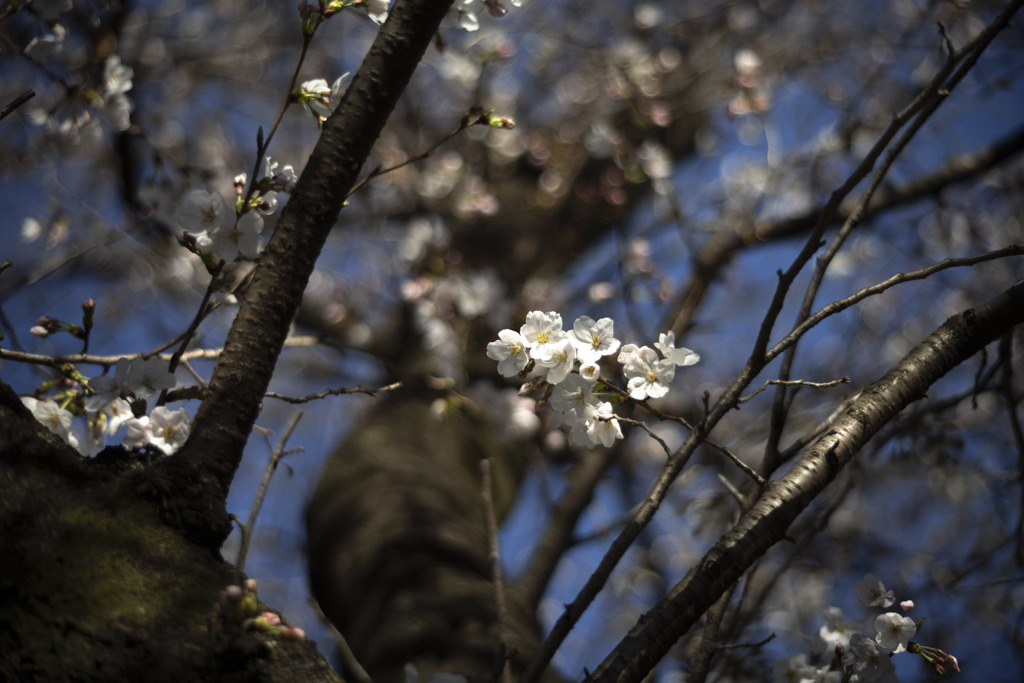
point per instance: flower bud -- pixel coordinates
(292, 633)
(88, 314)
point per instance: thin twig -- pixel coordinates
(643, 425)
(333, 392)
(348, 658)
(842, 304)
(264, 143)
(201, 313)
(469, 120)
(747, 469)
(109, 361)
(275, 457)
(494, 558)
(795, 383)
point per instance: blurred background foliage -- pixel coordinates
(667, 159)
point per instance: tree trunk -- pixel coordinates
(95, 587)
(399, 546)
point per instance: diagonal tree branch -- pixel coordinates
(207, 463)
(766, 522)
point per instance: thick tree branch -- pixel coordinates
(766, 522)
(224, 420)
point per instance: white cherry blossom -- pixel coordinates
(149, 377)
(561, 361)
(241, 239)
(377, 10)
(647, 376)
(667, 345)
(168, 429)
(510, 352)
(52, 416)
(541, 333)
(894, 631)
(204, 212)
(871, 592)
(164, 429)
(593, 339)
(590, 371)
(571, 398)
(602, 427)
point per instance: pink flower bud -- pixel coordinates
(271, 618)
(907, 605)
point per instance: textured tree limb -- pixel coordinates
(222, 425)
(959, 338)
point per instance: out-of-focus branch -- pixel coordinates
(722, 246)
(109, 361)
(21, 99)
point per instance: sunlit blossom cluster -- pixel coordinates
(852, 654)
(569, 363)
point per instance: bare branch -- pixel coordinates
(794, 383)
(898, 278)
(333, 392)
(767, 521)
(275, 458)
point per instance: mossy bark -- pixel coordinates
(95, 587)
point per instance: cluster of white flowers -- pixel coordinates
(110, 407)
(132, 379)
(223, 233)
(137, 380)
(163, 429)
(217, 229)
(570, 364)
(109, 99)
(863, 659)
